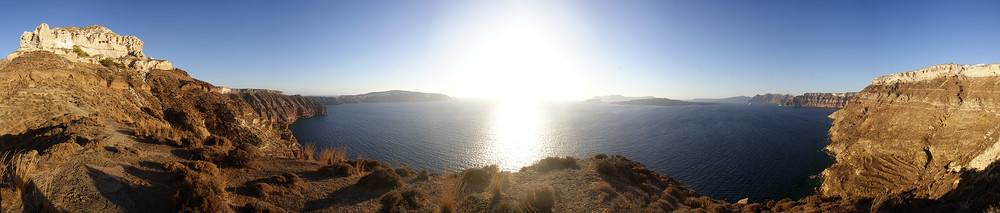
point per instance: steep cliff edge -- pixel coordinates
(383, 96)
(930, 133)
(276, 107)
(827, 100)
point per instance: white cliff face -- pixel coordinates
(941, 70)
(97, 41)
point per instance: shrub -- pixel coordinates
(449, 192)
(80, 52)
(381, 178)
(111, 63)
(219, 142)
(661, 206)
(422, 175)
(288, 180)
(339, 169)
(244, 156)
(396, 201)
(497, 184)
(404, 172)
(553, 163)
(601, 156)
(213, 154)
(262, 189)
(200, 187)
(477, 179)
(605, 189)
(542, 199)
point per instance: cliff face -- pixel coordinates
(90, 44)
(927, 133)
(770, 98)
(830, 100)
(276, 107)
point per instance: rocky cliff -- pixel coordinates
(276, 107)
(828, 100)
(770, 98)
(930, 133)
(90, 44)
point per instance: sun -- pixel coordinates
(519, 61)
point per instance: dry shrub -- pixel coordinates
(600, 156)
(338, 169)
(364, 164)
(288, 180)
(3, 164)
(90, 143)
(200, 187)
(755, 207)
(404, 171)
(261, 207)
(308, 151)
(422, 175)
(244, 156)
(553, 163)
(21, 167)
(62, 151)
(262, 189)
(477, 179)
(213, 154)
(542, 199)
(662, 206)
(127, 151)
(449, 194)
(605, 189)
(407, 200)
(218, 141)
(381, 178)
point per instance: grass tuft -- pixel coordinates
(381, 178)
(405, 201)
(200, 187)
(308, 151)
(542, 199)
(338, 169)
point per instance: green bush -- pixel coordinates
(108, 62)
(80, 52)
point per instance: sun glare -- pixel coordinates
(517, 135)
(517, 60)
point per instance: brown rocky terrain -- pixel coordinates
(924, 134)
(825, 100)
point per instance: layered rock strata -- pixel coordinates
(384, 96)
(931, 133)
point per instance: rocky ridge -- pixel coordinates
(383, 96)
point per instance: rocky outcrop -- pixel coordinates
(89, 44)
(659, 102)
(825, 100)
(384, 96)
(930, 133)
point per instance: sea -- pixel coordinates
(726, 151)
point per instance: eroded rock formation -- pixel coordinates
(384, 96)
(924, 134)
(89, 44)
(770, 98)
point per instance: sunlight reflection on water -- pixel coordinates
(516, 135)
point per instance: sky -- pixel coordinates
(551, 49)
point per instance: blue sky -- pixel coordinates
(674, 49)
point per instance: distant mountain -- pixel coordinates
(614, 98)
(736, 99)
(659, 102)
(384, 96)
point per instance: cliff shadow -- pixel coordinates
(978, 191)
(34, 139)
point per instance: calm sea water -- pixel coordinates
(726, 151)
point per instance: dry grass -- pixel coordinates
(606, 190)
(21, 166)
(262, 190)
(405, 201)
(339, 169)
(328, 156)
(3, 164)
(449, 195)
(308, 151)
(477, 179)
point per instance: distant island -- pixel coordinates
(659, 102)
(384, 96)
(823, 100)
